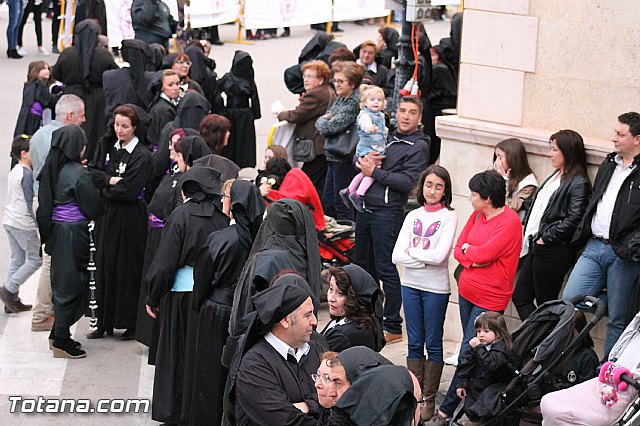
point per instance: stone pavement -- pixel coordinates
(115, 369)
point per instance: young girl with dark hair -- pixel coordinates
(488, 366)
(423, 249)
(35, 99)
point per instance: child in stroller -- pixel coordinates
(586, 403)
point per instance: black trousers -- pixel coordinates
(37, 19)
(541, 276)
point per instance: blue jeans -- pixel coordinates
(468, 314)
(25, 256)
(376, 234)
(601, 272)
(424, 312)
(339, 175)
(15, 16)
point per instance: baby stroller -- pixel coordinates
(339, 248)
(583, 404)
(543, 342)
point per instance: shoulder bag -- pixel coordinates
(304, 150)
(344, 144)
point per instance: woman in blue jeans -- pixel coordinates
(15, 16)
(423, 249)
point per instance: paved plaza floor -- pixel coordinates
(115, 369)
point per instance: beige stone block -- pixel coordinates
(518, 7)
(491, 94)
(499, 40)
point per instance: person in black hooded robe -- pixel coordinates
(266, 382)
(361, 323)
(165, 199)
(171, 275)
(288, 226)
(388, 45)
(242, 108)
(129, 85)
(164, 107)
(122, 231)
(203, 72)
(380, 396)
(80, 69)
(94, 10)
(216, 273)
(193, 107)
(68, 200)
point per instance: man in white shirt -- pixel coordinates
(611, 229)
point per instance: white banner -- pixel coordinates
(206, 13)
(119, 21)
(351, 10)
(285, 13)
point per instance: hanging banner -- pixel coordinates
(119, 25)
(285, 13)
(351, 10)
(206, 13)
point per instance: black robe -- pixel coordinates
(69, 244)
(164, 200)
(268, 385)
(184, 233)
(68, 70)
(33, 91)
(162, 112)
(121, 237)
(345, 336)
(242, 109)
(202, 71)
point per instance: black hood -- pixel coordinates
(86, 37)
(139, 55)
(193, 107)
(242, 65)
(193, 147)
(358, 359)
(248, 208)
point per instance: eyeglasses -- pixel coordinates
(187, 63)
(325, 379)
(338, 81)
(307, 76)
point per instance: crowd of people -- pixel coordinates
(147, 228)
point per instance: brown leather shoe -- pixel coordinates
(22, 307)
(99, 332)
(45, 325)
(10, 303)
(392, 337)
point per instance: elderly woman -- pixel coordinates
(122, 231)
(181, 65)
(488, 248)
(340, 119)
(355, 307)
(314, 102)
(215, 130)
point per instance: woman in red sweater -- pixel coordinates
(488, 248)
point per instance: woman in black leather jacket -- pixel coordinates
(558, 206)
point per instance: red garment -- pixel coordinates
(498, 241)
(297, 186)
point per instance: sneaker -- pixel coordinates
(392, 337)
(22, 51)
(43, 51)
(356, 200)
(45, 325)
(344, 196)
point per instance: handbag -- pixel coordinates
(344, 144)
(304, 149)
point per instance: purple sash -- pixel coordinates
(67, 213)
(36, 109)
(155, 221)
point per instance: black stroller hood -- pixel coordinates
(548, 330)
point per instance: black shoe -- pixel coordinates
(318, 27)
(98, 333)
(217, 42)
(55, 49)
(76, 344)
(286, 33)
(13, 54)
(66, 348)
(129, 334)
(336, 29)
